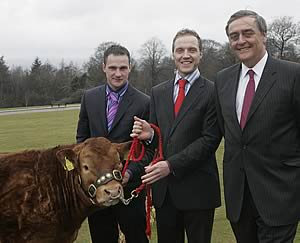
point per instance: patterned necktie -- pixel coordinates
(111, 108)
(181, 95)
(249, 94)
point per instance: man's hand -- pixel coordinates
(156, 172)
(141, 129)
(126, 178)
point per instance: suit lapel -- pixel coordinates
(167, 93)
(232, 86)
(265, 84)
(192, 96)
(101, 110)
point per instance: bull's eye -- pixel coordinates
(85, 167)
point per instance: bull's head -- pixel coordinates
(98, 163)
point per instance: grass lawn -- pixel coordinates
(48, 129)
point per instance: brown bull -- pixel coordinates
(45, 195)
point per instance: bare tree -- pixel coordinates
(210, 63)
(152, 53)
(93, 67)
(283, 33)
(18, 79)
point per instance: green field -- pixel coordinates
(48, 129)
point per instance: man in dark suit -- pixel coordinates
(108, 111)
(185, 186)
(259, 115)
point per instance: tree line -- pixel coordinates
(45, 84)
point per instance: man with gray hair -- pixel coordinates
(258, 108)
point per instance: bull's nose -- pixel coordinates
(109, 194)
(115, 192)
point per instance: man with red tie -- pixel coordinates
(258, 107)
(185, 185)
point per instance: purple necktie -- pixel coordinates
(112, 108)
(249, 94)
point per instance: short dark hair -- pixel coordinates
(116, 50)
(184, 32)
(260, 21)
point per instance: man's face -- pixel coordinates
(186, 54)
(117, 69)
(246, 41)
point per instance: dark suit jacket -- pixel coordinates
(92, 118)
(189, 144)
(267, 151)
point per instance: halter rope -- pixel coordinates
(158, 156)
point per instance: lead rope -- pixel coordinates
(158, 156)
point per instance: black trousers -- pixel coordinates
(103, 224)
(172, 224)
(251, 228)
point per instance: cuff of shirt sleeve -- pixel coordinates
(149, 141)
(130, 173)
(170, 168)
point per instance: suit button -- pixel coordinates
(244, 147)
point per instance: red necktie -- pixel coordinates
(181, 95)
(249, 94)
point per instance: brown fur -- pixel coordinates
(41, 202)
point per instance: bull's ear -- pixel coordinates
(68, 159)
(123, 149)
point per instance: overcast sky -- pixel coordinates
(72, 29)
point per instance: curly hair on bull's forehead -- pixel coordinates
(100, 147)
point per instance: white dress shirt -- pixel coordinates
(191, 78)
(243, 81)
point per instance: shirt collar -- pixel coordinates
(190, 77)
(258, 68)
(121, 91)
